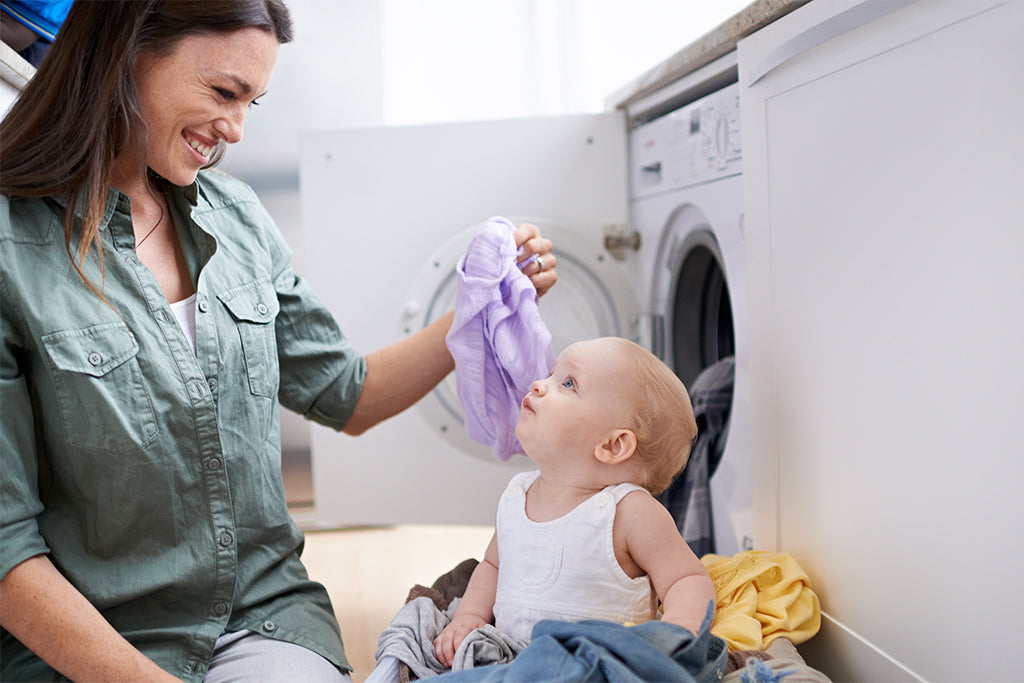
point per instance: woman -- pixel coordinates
(149, 321)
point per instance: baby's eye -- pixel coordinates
(569, 384)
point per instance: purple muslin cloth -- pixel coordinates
(498, 340)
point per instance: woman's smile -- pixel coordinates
(201, 147)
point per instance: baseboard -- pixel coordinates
(846, 657)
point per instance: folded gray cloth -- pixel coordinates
(410, 636)
(486, 645)
(410, 639)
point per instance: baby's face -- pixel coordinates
(583, 399)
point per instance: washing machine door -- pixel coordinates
(691, 297)
(387, 213)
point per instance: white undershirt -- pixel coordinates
(185, 312)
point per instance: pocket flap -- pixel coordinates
(255, 302)
(93, 350)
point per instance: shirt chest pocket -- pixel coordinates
(253, 308)
(101, 393)
(532, 567)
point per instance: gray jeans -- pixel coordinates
(247, 656)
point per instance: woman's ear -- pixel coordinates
(617, 448)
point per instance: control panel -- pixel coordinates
(693, 144)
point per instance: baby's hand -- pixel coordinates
(452, 636)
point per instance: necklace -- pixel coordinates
(151, 230)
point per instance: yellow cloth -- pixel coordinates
(760, 596)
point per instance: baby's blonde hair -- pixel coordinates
(662, 418)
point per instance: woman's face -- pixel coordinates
(197, 97)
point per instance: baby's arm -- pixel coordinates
(475, 609)
(648, 534)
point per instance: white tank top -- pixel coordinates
(564, 569)
(185, 312)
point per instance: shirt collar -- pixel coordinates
(117, 200)
(189, 192)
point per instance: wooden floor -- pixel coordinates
(368, 573)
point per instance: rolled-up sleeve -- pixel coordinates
(321, 374)
(19, 493)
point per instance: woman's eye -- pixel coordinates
(229, 96)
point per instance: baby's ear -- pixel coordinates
(617, 447)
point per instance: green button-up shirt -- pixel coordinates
(151, 475)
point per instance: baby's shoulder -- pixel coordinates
(521, 481)
(636, 495)
(638, 505)
(634, 492)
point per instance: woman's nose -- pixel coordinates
(230, 126)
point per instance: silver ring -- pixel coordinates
(540, 265)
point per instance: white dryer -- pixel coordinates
(686, 206)
(387, 213)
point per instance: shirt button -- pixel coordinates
(262, 309)
(220, 608)
(213, 464)
(603, 498)
(225, 539)
(95, 358)
(212, 383)
(269, 626)
(203, 306)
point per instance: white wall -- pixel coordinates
(456, 60)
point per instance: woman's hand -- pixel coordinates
(542, 271)
(448, 641)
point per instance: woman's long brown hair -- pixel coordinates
(81, 109)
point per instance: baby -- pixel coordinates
(582, 537)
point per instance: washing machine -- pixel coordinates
(387, 213)
(644, 205)
(686, 214)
